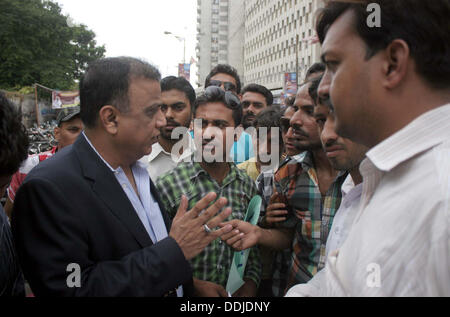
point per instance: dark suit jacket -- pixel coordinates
(71, 209)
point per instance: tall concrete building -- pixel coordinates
(276, 32)
(220, 35)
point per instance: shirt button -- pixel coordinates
(124, 186)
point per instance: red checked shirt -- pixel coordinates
(31, 162)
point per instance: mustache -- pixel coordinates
(298, 130)
(333, 143)
(248, 115)
(172, 123)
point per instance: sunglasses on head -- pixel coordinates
(226, 85)
(230, 98)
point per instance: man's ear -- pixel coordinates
(109, 118)
(57, 133)
(395, 69)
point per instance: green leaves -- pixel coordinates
(38, 46)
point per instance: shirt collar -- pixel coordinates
(95, 150)
(157, 149)
(424, 133)
(138, 164)
(348, 185)
(195, 169)
(304, 158)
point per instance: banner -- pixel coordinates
(65, 99)
(184, 70)
(290, 84)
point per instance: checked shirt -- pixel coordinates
(297, 183)
(191, 180)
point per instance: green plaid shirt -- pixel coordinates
(191, 180)
(297, 183)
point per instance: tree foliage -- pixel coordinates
(38, 46)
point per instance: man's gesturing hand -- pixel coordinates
(243, 237)
(188, 226)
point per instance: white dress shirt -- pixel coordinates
(343, 220)
(399, 244)
(159, 162)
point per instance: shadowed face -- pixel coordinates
(177, 109)
(67, 133)
(350, 80)
(217, 125)
(304, 130)
(252, 103)
(343, 154)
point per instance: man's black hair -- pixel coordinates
(313, 89)
(13, 138)
(181, 84)
(316, 68)
(221, 97)
(270, 118)
(289, 102)
(423, 25)
(107, 82)
(259, 90)
(224, 69)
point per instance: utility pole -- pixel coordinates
(296, 58)
(179, 38)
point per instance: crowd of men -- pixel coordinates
(148, 191)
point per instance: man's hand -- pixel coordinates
(243, 236)
(208, 289)
(249, 289)
(276, 212)
(188, 227)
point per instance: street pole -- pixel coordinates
(296, 58)
(184, 52)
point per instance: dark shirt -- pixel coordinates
(11, 280)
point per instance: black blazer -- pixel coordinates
(71, 209)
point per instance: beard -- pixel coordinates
(167, 133)
(248, 120)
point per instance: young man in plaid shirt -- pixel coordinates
(213, 171)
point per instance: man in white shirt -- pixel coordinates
(391, 92)
(178, 97)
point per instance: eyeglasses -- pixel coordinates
(231, 99)
(285, 124)
(226, 85)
